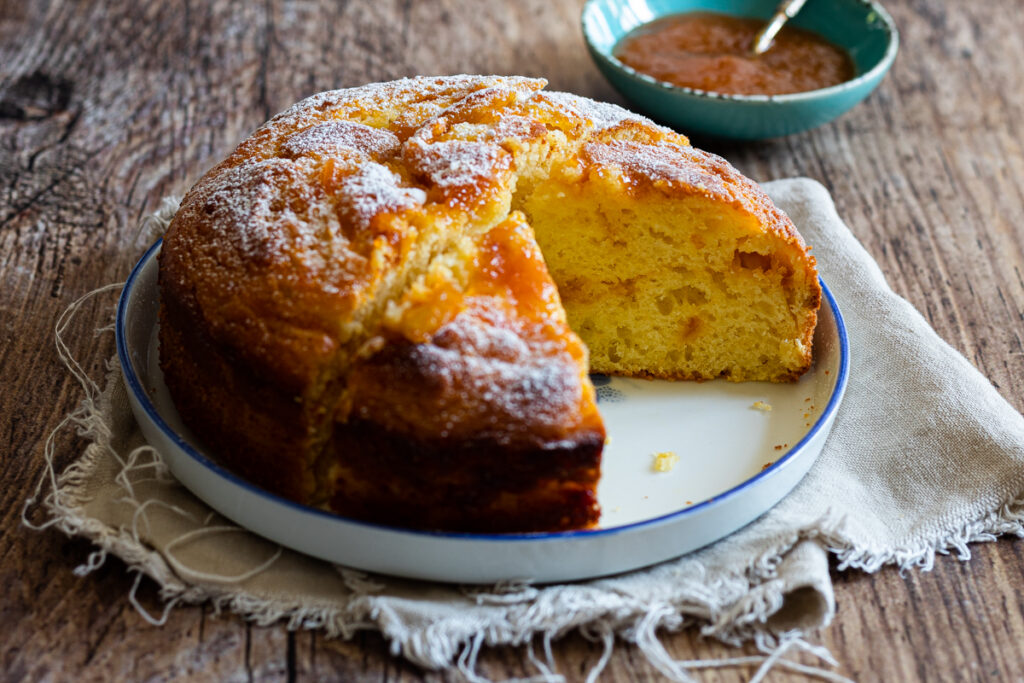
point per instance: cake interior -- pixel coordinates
(681, 288)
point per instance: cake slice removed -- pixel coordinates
(471, 409)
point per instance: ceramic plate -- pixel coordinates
(736, 459)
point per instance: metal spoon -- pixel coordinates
(786, 10)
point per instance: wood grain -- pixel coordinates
(106, 107)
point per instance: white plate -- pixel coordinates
(735, 462)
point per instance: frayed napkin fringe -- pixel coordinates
(1007, 520)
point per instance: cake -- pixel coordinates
(375, 305)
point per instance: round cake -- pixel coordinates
(376, 303)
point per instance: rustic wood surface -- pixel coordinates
(105, 107)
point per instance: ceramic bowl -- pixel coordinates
(862, 27)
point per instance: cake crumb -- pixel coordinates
(607, 441)
(762, 406)
(664, 462)
(767, 465)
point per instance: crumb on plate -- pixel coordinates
(762, 406)
(664, 462)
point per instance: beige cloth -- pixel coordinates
(925, 456)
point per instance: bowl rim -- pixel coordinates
(877, 71)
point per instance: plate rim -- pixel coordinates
(135, 385)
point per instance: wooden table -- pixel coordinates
(106, 107)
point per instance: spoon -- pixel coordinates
(786, 10)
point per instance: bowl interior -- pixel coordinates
(860, 27)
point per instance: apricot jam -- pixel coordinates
(710, 51)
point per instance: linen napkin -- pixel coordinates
(924, 457)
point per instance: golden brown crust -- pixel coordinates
(281, 270)
(465, 485)
(204, 382)
(657, 164)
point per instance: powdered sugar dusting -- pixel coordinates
(483, 336)
(428, 95)
(602, 114)
(481, 375)
(417, 87)
(656, 164)
(516, 127)
(457, 163)
(340, 138)
(255, 207)
(373, 189)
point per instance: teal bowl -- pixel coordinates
(862, 27)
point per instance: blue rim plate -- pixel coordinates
(757, 457)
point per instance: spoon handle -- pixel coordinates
(786, 10)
